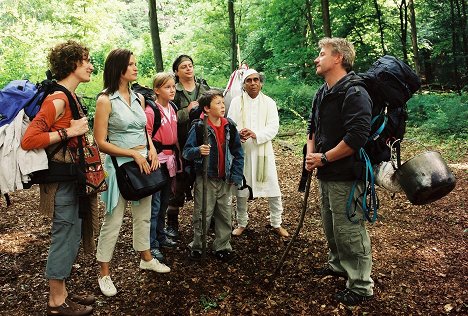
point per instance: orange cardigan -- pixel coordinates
(37, 133)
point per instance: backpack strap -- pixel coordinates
(157, 116)
(368, 199)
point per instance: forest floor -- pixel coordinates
(420, 261)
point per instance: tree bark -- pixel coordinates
(462, 16)
(326, 18)
(464, 35)
(404, 29)
(155, 39)
(379, 20)
(232, 29)
(414, 37)
(310, 21)
(454, 45)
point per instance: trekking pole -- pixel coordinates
(205, 182)
(299, 226)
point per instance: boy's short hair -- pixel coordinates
(208, 96)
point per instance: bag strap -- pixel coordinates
(74, 103)
(368, 199)
(157, 116)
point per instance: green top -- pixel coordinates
(182, 99)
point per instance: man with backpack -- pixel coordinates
(339, 126)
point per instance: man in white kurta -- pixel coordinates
(257, 120)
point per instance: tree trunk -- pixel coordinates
(379, 19)
(155, 39)
(462, 17)
(414, 37)
(232, 29)
(404, 28)
(464, 35)
(310, 21)
(326, 18)
(454, 45)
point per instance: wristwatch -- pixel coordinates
(324, 159)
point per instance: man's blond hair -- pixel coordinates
(343, 47)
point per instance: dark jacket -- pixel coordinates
(341, 113)
(234, 154)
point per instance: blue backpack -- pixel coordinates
(23, 94)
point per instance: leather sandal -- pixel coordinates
(82, 299)
(238, 231)
(280, 231)
(69, 308)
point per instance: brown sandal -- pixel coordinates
(69, 308)
(82, 299)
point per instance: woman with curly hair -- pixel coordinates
(52, 128)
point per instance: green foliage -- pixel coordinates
(440, 114)
(294, 100)
(210, 303)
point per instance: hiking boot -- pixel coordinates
(172, 232)
(195, 254)
(328, 271)
(107, 286)
(69, 308)
(168, 243)
(225, 256)
(350, 298)
(154, 265)
(157, 254)
(82, 299)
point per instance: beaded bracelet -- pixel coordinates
(60, 134)
(63, 134)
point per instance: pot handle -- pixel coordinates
(414, 140)
(396, 151)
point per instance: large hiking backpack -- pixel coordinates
(390, 84)
(150, 96)
(23, 94)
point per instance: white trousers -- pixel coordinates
(276, 210)
(141, 215)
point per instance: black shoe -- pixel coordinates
(350, 298)
(167, 243)
(157, 254)
(172, 232)
(328, 271)
(225, 256)
(195, 254)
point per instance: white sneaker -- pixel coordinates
(107, 286)
(154, 265)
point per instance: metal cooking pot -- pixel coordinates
(425, 178)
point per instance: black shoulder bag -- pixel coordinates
(135, 185)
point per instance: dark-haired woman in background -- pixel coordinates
(188, 90)
(119, 130)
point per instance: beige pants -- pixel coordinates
(141, 215)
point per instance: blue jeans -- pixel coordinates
(159, 203)
(65, 233)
